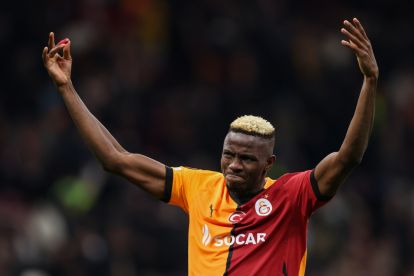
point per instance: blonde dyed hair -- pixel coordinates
(253, 125)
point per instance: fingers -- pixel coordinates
(66, 51)
(55, 50)
(359, 26)
(63, 41)
(51, 42)
(353, 29)
(352, 37)
(357, 38)
(352, 46)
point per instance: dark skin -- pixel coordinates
(246, 159)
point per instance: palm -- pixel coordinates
(368, 64)
(59, 69)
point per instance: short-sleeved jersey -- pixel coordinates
(264, 236)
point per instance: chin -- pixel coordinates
(236, 186)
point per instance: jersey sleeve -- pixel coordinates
(178, 186)
(304, 190)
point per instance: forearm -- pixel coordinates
(109, 136)
(97, 138)
(359, 130)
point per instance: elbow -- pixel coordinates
(108, 167)
(351, 156)
(351, 161)
(355, 161)
(112, 164)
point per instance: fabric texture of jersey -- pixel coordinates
(264, 236)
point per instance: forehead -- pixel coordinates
(244, 142)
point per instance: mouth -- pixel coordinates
(233, 178)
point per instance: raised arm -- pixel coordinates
(334, 168)
(139, 169)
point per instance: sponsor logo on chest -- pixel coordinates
(229, 240)
(261, 208)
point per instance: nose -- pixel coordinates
(235, 165)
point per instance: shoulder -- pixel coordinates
(194, 173)
(190, 170)
(295, 176)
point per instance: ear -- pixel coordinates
(269, 162)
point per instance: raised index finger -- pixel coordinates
(51, 42)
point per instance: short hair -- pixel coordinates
(253, 125)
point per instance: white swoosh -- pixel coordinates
(206, 235)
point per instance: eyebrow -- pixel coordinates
(242, 155)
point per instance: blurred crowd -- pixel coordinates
(166, 78)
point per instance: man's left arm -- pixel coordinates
(334, 168)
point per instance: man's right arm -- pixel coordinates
(139, 169)
(145, 172)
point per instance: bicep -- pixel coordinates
(144, 172)
(330, 173)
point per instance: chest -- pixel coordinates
(215, 211)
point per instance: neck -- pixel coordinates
(243, 196)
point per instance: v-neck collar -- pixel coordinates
(242, 201)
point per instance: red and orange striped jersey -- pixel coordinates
(264, 236)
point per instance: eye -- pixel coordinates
(227, 154)
(247, 158)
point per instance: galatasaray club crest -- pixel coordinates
(236, 216)
(263, 207)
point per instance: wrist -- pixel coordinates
(371, 79)
(65, 87)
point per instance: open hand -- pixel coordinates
(359, 43)
(59, 67)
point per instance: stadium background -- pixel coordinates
(166, 78)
